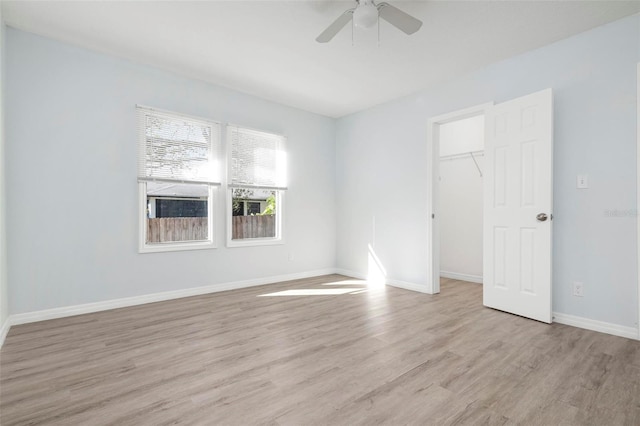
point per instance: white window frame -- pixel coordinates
(212, 204)
(209, 243)
(249, 242)
(280, 200)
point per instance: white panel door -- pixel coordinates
(518, 206)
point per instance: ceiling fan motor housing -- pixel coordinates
(366, 14)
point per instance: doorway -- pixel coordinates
(518, 203)
(446, 138)
(460, 200)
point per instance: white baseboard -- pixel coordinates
(461, 277)
(389, 281)
(407, 286)
(87, 308)
(600, 326)
(4, 330)
(352, 274)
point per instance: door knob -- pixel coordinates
(541, 217)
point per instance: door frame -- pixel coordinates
(638, 185)
(433, 164)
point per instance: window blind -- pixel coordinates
(257, 159)
(174, 148)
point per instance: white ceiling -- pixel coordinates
(268, 48)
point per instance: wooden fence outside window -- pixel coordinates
(172, 229)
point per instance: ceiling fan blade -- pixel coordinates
(334, 28)
(399, 19)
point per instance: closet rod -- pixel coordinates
(478, 153)
(471, 154)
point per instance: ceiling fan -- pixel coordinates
(366, 14)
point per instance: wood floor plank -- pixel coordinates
(342, 354)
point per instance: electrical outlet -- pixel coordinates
(578, 289)
(290, 257)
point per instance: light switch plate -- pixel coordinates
(582, 182)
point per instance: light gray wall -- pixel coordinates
(461, 214)
(4, 293)
(71, 179)
(381, 157)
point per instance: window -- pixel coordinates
(257, 174)
(177, 178)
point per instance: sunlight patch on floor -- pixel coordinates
(347, 282)
(313, 292)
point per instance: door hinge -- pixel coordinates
(433, 216)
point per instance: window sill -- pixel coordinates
(165, 247)
(252, 242)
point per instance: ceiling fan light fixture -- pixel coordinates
(365, 15)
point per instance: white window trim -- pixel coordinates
(251, 242)
(144, 247)
(280, 202)
(212, 205)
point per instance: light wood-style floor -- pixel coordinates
(319, 351)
